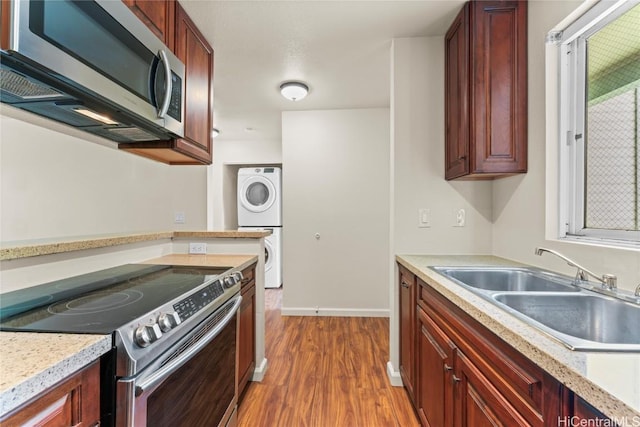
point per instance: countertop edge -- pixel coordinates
(236, 261)
(54, 247)
(22, 392)
(553, 357)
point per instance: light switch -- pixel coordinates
(424, 218)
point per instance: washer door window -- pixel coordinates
(258, 194)
(268, 255)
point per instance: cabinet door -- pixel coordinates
(457, 96)
(435, 368)
(74, 402)
(499, 85)
(585, 414)
(478, 403)
(246, 337)
(158, 15)
(407, 330)
(196, 54)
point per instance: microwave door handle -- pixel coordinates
(162, 111)
(157, 377)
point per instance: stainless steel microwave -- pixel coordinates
(92, 65)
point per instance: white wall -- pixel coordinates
(228, 157)
(519, 202)
(417, 111)
(56, 185)
(417, 147)
(336, 183)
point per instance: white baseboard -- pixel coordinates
(334, 312)
(394, 376)
(259, 371)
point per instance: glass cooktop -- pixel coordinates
(99, 302)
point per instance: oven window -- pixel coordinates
(199, 393)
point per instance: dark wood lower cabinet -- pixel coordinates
(73, 402)
(247, 329)
(407, 293)
(478, 402)
(435, 376)
(452, 390)
(466, 376)
(585, 414)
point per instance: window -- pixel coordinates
(600, 124)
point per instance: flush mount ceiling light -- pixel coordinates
(294, 91)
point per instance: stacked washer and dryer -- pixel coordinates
(260, 208)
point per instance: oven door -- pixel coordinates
(192, 384)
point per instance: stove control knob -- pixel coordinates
(238, 275)
(168, 321)
(146, 334)
(229, 281)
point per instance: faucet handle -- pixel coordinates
(609, 281)
(581, 275)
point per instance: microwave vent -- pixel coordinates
(23, 88)
(133, 134)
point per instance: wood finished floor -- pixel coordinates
(324, 372)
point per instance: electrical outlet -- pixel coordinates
(198, 248)
(179, 218)
(424, 218)
(460, 218)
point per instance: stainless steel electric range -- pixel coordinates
(174, 338)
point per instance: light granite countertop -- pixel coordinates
(15, 250)
(607, 380)
(209, 260)
(30, 363)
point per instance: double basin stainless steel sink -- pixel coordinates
(577, 317)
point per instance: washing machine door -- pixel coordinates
(258, 194)
(269, 255)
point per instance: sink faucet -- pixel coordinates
(609, 281)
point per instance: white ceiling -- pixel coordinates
(339, 48)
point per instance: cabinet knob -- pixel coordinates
(447, 368)
(404, 284)
(455, 380)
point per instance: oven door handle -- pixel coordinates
(157, 377)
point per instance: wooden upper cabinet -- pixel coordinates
(190, 46)
(197, 55)
(457, 96)
(158, 15)
(486, 91)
